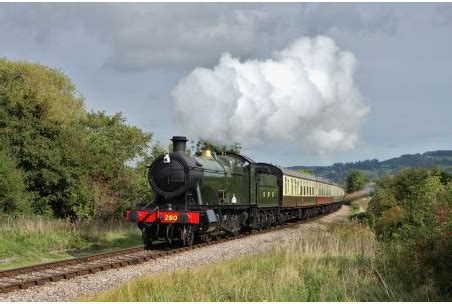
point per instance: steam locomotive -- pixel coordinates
(212, 195)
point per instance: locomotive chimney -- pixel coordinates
(179, 143)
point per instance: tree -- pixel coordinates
(37, 104)
(355, 181)
(105, 146)
(68, 162)
(305, 171)
(410, 215)
(202, 144)
(13, 196)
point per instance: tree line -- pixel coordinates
(373, 169)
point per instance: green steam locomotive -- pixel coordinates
(211, 195)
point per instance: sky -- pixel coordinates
(133, 57)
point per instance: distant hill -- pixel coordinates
(375, 168)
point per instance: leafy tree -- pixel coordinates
(355, 181)
(105, 145)
(13, 196)
(37, 104)
(71, 162)
(410, 215)
(202, 144)
(305, 171)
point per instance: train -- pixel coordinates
(210, 195)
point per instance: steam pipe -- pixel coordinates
(198, 194)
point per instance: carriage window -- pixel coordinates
(263, 194)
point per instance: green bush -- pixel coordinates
(13, 196)
(355, 181)
(410, 215)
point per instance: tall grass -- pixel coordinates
(26, 240)
(333, 265)
(342, 263)
(360, 205)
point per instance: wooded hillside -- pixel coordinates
(374, 168)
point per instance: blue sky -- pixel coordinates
(128, 57)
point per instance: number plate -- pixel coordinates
(169, 217)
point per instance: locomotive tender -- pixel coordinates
(216, 194)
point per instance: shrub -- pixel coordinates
(13, 197)
(355, 181)
(410, 215)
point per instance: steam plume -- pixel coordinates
(304, 94)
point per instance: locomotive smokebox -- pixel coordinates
(173, 174)
(179, 144)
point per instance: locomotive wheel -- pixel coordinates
(146, 235)
(281, 220)
(188, 235)
(262, 221)
(273, 222)
(207, 237)
(266, 224)
(259, 222)
(236, 224)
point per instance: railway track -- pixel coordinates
(37, 275)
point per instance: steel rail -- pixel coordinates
(67, 262)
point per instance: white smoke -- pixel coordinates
(306, 93)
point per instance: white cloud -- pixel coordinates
(305, 93)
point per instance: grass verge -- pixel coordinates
(31, 240)
(332, 265)
(337, 264)
(359, 206)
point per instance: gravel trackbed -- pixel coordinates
(70, 290)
